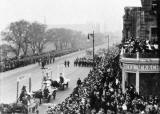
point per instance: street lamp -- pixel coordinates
(108, 42)
(92, 35)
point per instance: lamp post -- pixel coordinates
(92, 35)
(108, 41)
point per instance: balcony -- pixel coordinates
(140, 58)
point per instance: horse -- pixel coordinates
(58, 85)
(42, 95)
(38, 94)
(55, 84)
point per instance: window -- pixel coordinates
(154, 32)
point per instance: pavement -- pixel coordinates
(8, 80)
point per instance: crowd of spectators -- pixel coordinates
(100, 93)
(48, 57)
(145, 48)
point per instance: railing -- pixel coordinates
(129, 55)
(148, 55)
(140, 55)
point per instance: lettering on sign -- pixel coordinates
(133, 67)
(23, 77)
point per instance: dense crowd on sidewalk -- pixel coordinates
(146, 48)
(7, 64)
(100, 93)
(12, 63)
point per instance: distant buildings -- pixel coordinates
(89, 27)
(84, 28)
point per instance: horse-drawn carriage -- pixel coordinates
(47, 91)
(60, 83)
(44, 95)
(49, 87)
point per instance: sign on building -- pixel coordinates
(142, 68)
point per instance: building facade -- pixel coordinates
(140, 22)
(143, 72)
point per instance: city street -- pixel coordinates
(79, 57)
(8, 80)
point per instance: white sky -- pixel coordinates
(109, 12)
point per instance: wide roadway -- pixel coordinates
(8, 80)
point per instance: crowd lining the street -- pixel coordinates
(101, 93)
(42, 59)
(146, 48)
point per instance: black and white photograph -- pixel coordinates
(79, 56)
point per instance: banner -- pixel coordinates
(23, 80)
(23, 77)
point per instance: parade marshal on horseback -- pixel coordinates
(23, 93)
(23, 101)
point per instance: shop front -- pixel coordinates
(143, 74)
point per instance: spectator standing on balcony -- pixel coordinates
(148, 46)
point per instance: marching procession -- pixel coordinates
(83, 62)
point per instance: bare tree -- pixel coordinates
(37, 37)
(51, 35)
(25, 37)
(17, 36)
(66, 38)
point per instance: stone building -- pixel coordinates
(131, 18)
(143, 72)
(140, 22)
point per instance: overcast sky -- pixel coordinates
(109, 12)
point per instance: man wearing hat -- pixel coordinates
(61, 78)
